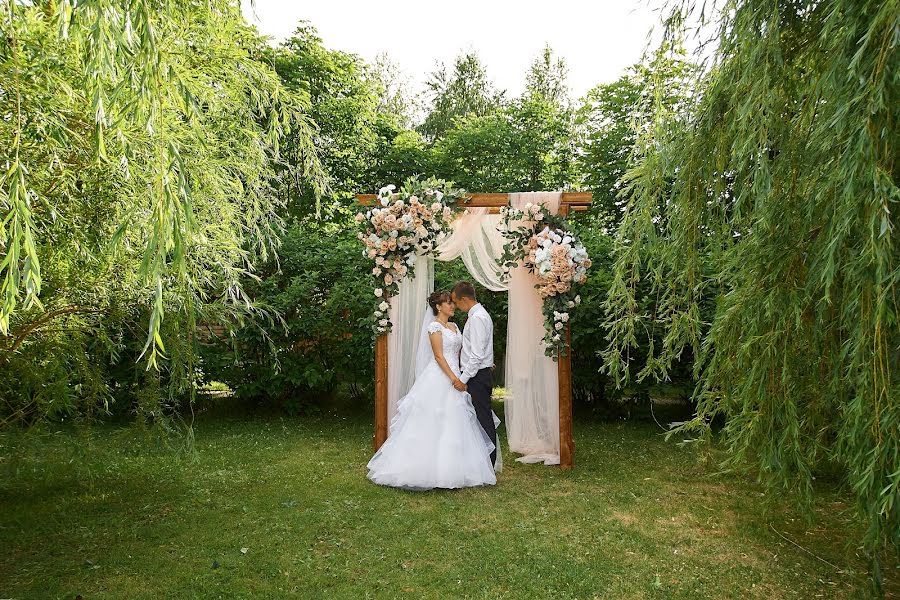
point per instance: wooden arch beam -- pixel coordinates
(570, 202)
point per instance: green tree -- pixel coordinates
(779, 183)
(359, 137)
(396, 100)
(610, 116)
(525, 145)
(138, 184)
(466, 91)
(545, 122)
(481, 154)
(343, 106)
(548, 79)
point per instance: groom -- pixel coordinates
(477, 357)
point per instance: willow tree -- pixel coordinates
(772, 200)
(141, 157)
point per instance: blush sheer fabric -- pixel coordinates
(532, 404)
(532, 378)
(407, 312)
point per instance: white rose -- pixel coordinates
(383, 306)
(383, 322)
(558, 326)
(377, 313)
(570, 304)
(385, 201)
(577, 299)
(394, 233)
(564, 317)
(379, 292)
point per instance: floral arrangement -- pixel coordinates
(545, 246)
(398, 228)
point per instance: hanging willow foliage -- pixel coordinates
(765, 218)
(184, 120)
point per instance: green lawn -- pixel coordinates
(281, 508)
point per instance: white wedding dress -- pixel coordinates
(435, 439)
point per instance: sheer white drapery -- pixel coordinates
(532, 379)
(476, 239)
(532, 407)
(407, 312)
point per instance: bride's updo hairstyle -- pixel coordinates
(438, 298)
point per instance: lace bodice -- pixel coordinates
(451, 342)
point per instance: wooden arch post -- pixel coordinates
(571, 201)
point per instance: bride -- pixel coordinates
(435, 438)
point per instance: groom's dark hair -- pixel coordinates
(464, 289)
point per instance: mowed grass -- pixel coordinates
(275, 508)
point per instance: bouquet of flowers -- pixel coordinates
(400, 227)
(559, 262)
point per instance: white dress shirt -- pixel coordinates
(478, 343)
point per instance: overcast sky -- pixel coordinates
(598, 39)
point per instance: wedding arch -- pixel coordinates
(539, 411)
